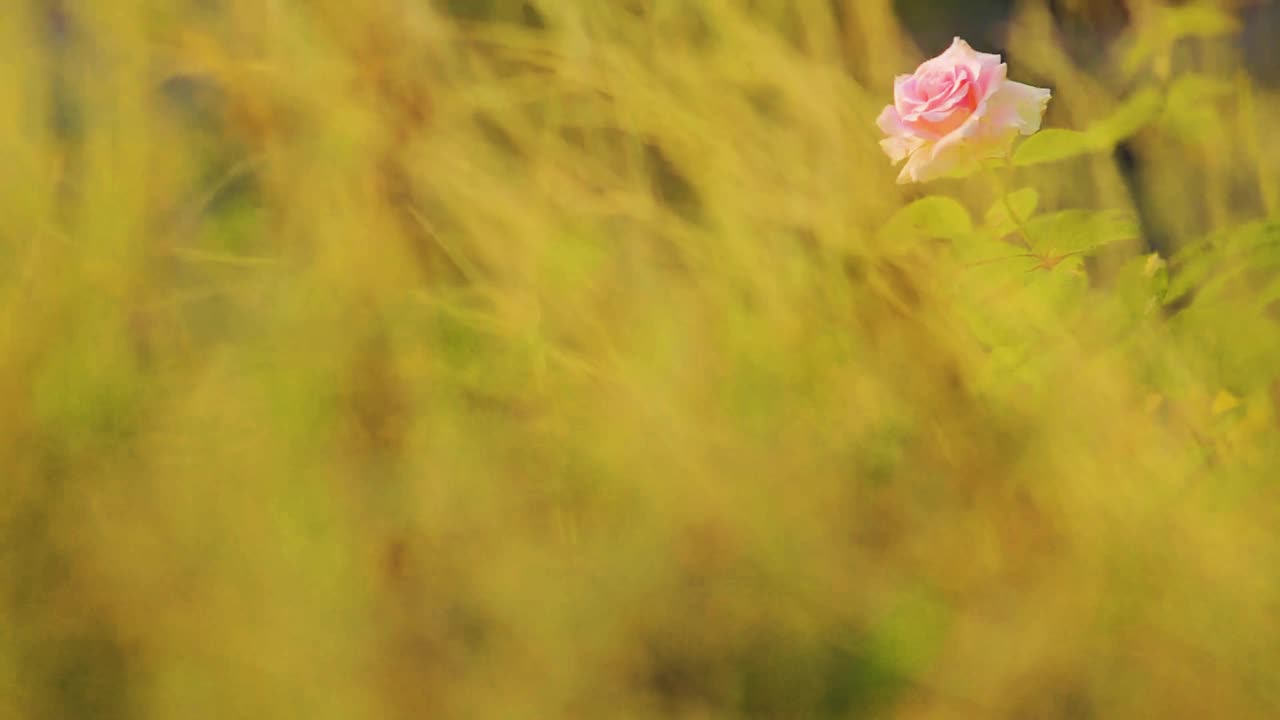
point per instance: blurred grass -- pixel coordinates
(560, 359)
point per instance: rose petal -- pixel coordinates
(936, 82)
(961, 89)
(961, 94)
(961, 53)
(931, 162)
(984, 134)
(986, 69)
(900, 148)
(1019, 106)
(890, 122)
(942, 157)
(906, 96)
(980, 63)
(955, 110)
(992, 78)
(900, 142)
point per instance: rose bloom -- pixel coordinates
(956, 110)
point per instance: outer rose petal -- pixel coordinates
(1018, 106)
(900, 141)
(962, 146)
(937, 159)
(890, 122)
(917, 167)
(992, 80)
(898, 148)
(1014, 108)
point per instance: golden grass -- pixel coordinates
(360, 361)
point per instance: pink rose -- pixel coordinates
(955, 110)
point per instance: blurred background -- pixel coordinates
(577, 359)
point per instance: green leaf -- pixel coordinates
(1269, 296)
(1191, 111)
(1023, 202)
(1134, 113)
(1193, 264)
(1080, 231)
(1053, 145)
(1142, 283)
(1259, 241)
(1061, 287)
(935, 216)
(910, 632)
(979, 249)
(1233, 265)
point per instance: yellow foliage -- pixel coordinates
(406, 359)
